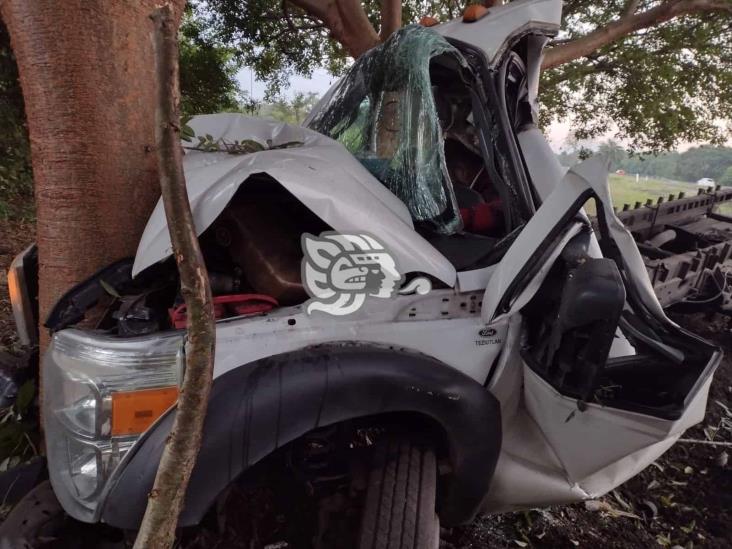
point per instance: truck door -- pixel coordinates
(607, 378)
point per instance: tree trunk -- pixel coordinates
(87, 73)
(391, 18)
(182, 445)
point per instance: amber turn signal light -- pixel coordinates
(474, 12)
(428, 21)
(134, 411)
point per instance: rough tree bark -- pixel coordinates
(86, 69)
(181, 448)
(629, 21)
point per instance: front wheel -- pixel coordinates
(399, 509)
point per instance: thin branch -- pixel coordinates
(291, 23)
(707, 442)
(288, 30)
(182, 445)
(317, 8)
(586, 69)
(627, 24)
(630, 7)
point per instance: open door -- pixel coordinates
(607, 382)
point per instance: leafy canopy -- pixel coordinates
(208, 70)
(279, 40)
(656, 87)
(15, 171)
(292, 111)
(726, 179)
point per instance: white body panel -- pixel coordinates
(435, 324)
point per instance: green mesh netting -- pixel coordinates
(384, 112)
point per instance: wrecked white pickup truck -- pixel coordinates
(416, 321)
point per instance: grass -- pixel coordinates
(625, 190)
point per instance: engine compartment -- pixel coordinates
(253, 255)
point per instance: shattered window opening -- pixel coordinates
(384, 112)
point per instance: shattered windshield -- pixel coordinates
(384, 112)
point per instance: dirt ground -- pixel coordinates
(682, 500)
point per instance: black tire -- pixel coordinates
(34, 521)
(39, 522)
(399, 508)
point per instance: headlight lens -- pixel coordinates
(99, 394)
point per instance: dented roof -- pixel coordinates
(492, 33)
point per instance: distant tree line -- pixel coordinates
(691, 165)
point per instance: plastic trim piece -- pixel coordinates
(259, 407)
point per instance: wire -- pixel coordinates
(721, 291)
(477, 175)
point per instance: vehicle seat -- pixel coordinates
(467, 197)
(463, 250)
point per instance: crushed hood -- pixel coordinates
(321, 173)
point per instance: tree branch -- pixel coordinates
(346, 20)
(630, 7)
(628, 23)
(391, 18)
(316, 8)
(182, 445)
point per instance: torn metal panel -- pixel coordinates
(493, 33)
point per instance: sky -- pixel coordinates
(319, 83)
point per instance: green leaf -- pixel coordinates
(26, 393)
(187, 133)
(250, 146)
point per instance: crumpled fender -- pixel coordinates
(259, 407)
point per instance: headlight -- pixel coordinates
(100, 394)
